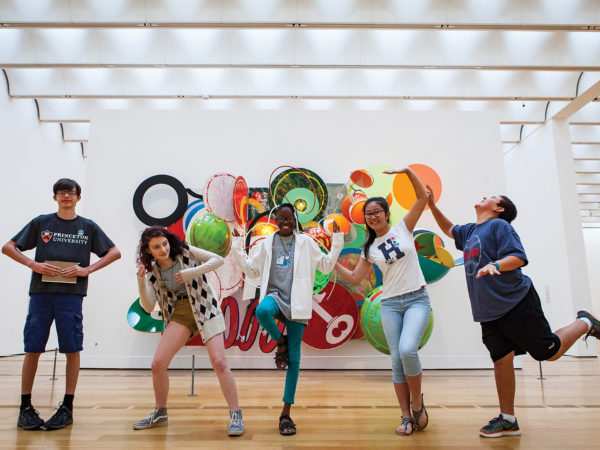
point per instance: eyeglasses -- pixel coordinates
(67, 193)
(374, 213)
(285, 219)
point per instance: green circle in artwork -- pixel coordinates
(140, 320)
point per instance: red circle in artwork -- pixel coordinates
(240, 200)
(334, 318)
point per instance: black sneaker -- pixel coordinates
(595, 328)
(29, 419)
(499, 427)
(61, 418)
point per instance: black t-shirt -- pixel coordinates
(56, 239)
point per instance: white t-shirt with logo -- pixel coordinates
(396, 256)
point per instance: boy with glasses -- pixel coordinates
(63, 243)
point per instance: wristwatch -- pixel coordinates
(495, 263)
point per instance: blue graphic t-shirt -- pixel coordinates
(491, 296)
(56, 239)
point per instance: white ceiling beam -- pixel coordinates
(293, 82)
(305, 48)
(448, 13)
(77, 109)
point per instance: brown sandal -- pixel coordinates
(287, 427)
(417, 416)
(281, 354)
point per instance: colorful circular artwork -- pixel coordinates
(334, 319)
(362, 178)
(370, 318)
(320, 236)
(404, 193)
(209, 232)
(310, 192)
(218, 195)
(349, 258)
(140, 320)
(342, 222)
(240, 200)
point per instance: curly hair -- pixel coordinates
(144, 258)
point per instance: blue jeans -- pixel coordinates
(266, 311)
(404, 319)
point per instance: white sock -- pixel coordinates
(587, 321)
(508, 417)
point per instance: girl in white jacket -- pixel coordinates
(285, 263)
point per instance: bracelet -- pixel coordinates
(495, 263)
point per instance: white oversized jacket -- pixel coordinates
(308, 258)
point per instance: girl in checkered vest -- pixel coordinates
(173, 274)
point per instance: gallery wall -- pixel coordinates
(32, 158)
(126, 147)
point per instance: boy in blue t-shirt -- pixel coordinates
(505, 302)
(56, 293)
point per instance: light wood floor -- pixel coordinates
(350, 409)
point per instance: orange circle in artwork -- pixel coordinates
(403, 191)
(342, 222)
(362, 178)
(357, 212)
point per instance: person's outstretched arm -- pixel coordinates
(354, 276)
(251, 266)
(208, 261)
(413, 216)
(442, 221)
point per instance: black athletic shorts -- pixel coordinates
(523, 329)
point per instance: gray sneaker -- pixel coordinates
(156, 418)
(236, 424)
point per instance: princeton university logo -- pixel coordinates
(46, 236)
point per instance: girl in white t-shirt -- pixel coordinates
(405, 304)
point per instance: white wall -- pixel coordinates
(33, 157)
(126, 147)
(540, 176)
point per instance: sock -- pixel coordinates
(68, 401)
(587, 321)
(25, 401)
(508, 417)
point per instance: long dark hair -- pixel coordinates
(144, 258)
(370, 232)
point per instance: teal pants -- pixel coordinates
(266, 311)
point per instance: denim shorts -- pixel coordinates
(66, 311)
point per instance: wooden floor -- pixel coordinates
(350, 409)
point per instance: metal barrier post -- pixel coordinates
(54, 367)
(191, 394)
